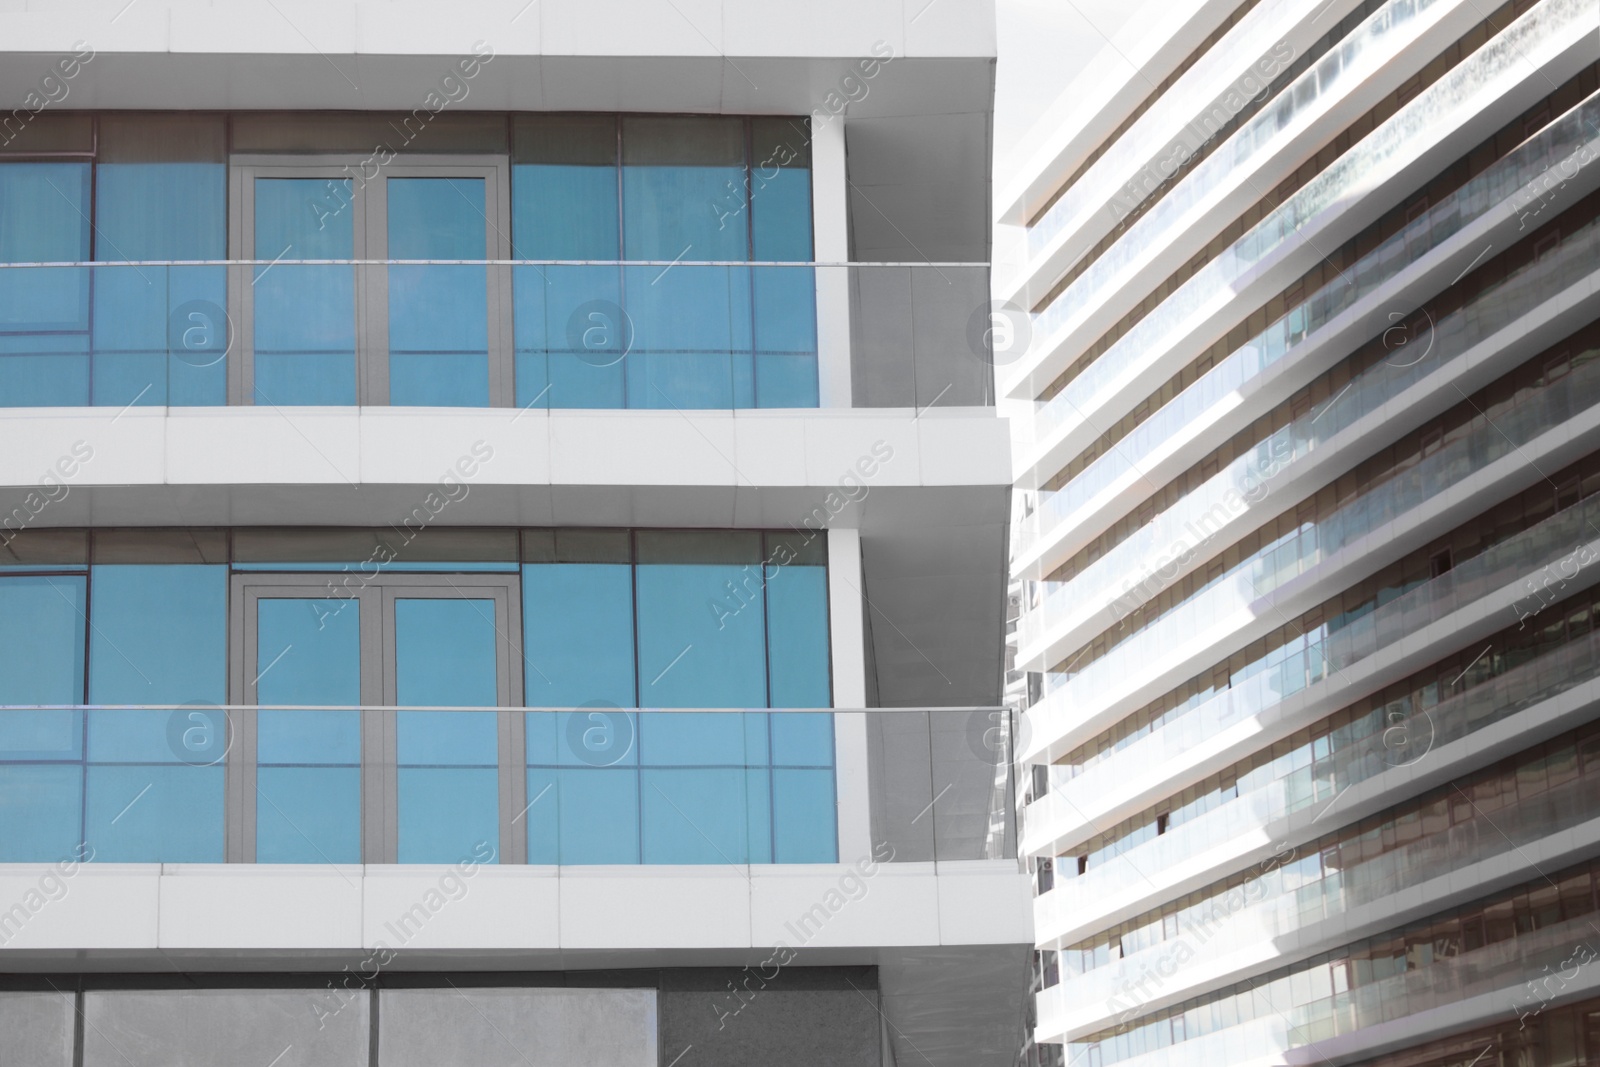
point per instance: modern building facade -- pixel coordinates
(1307, 474)
(503, 537)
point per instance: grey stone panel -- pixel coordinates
(217, 1027)
(36, 1029)
(539, 1027)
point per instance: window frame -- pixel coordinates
(375, 600)
(370, 241)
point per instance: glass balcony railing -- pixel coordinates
(1235, 595)
(458, 333)
(203, 783)
(1253, 813)
(1362, 52)
(1250, 475)
(1427, 117)
(1571, 137)
(1318, 881)
(1320, 656)
(1212, 75)
(1333, 995)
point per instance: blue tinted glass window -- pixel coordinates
(445, 652)
(154, 780)
(573, 341)
(308, 778)
(583, 815)
(160, 333)
(691, 337)
(308, 651)
(691, 786)
(797, 630)
(44, 311)
(564, 187)
(702, 630)
(804, 814)
(578, 634)
(683, 188)
(161, 211)
(304, 314)
(448, 813)
(785, 309)
(308, 814)
(41, 662)
(438, 315)
(703, 815)
(160, 634)
(448, 776)
(780, 189)
(41, 639)
(571, 336)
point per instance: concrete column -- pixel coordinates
(831, 226)
(849, 691)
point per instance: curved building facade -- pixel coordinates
(1307, 455)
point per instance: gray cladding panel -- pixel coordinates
(207, 1027)
(36, 1029)
(517, 1027)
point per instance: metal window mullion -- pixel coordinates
(372, 294)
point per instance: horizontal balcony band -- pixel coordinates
(1300, 461)
(120, 917)
(1283, 926)
(1444, 121)
(1304, 456)
(1475, 599)
(1112, 86)
(1405, 271)
(1239, 837)
(1368, 65)
(1453, 993)
(1270, 36)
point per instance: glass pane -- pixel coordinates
(703, 815)
(41, 810)
(155, 813)
(448, 814)
(701, 626)
(572, 337)
(41, 641)
(780, 189)
(41, 662)
(147, 211)
(804, 814)
(797, 631)
(583, 815)
(691, 337)
(438, 315)
(308, 814)
(155, 782)
(785, 300)
(160, 634)
(564, 187)
(161, 335)
(448, 761)
(308, 651)
(672, 169)
(44, 312)
(308, 782)
(304, 314)
(578, 634)
(445, 652)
